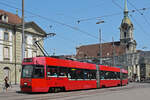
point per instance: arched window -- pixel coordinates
(125, 34)
(6, 72)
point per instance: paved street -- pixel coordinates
(134, 91)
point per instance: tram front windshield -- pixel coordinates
(32, 71)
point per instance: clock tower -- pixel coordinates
(126, 32)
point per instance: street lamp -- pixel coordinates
(99, 22)
(100, 41)
(50, 34)
(23, 40)
(46, 36)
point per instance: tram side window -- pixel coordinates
(114, 75)
(92, 74)
(52, 71)
(107, 75)
(38, 71)
(125, 76)
(110, 75)
(72, 73)
(86, 74)
(118, 75)
(102, 75)
(80, 74)
(62, 72)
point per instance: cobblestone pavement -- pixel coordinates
(12, 88)
(133, 91)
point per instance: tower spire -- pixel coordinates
(125, 9)
(125, 6)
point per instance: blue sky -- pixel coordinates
(61, 16)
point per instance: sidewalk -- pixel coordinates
(13, 88)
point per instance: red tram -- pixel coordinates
(47, 74)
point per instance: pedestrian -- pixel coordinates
(6, 83)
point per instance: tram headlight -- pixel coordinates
(26, 84)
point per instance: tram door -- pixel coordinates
(120, 76)
(98, 76)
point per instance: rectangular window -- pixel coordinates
(86, 74)
(92, 74)
(27, 71)
(38, 71)
(34, 54)
(102, 75)
(35, 71)
(80, 74)
(25, 39)
(34, 39)
(6, 53)
(0, 17)
(124, 76)
(109, 75)
(6, 36)
(62, 72)
(26, 54)
(52, 71)
(118, 75)
(72, 73)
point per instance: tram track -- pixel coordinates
(72, 94)
(86, 93)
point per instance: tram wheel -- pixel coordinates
(55, 90)
(51, 90)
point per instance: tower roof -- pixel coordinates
(126, 21)
(126, 18)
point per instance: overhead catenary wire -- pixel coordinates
(140, 27)
(146, 20)
(42, 18)
(134, 7)
(142, 14)
(117, 4)
(59, 36)
(110, 15)
(72, 27)
(93, 18)
(11, 1)
(51, 20)
(55, 22)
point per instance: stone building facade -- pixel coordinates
(144, 63)
(11, 42)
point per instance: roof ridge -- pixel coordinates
(12, 18)
(101, 43)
